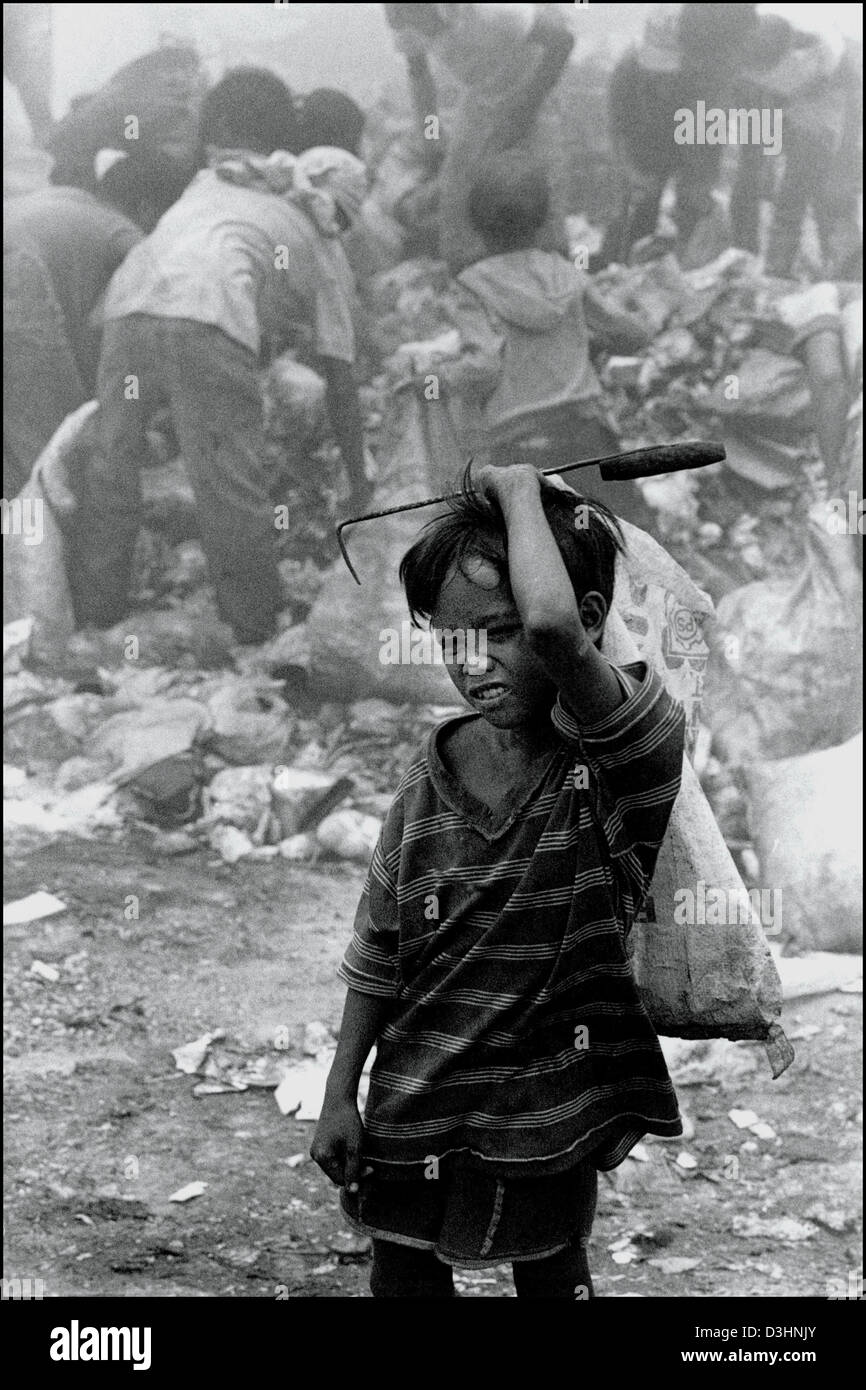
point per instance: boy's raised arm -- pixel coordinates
(561, 634)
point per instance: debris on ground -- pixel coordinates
(673, 1264)
(303, 796)
(32, 908)
(49, 973)
(349, 834)
(831, 1219)
(191, 1055)
(186, 1194)
(785, 1228)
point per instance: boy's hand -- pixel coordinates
(554, 480)
(336, 1145)
(499, 483)
(562, 633)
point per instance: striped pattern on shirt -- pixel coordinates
(517, 1035)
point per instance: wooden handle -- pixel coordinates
(662, 458)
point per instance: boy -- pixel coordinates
(488, 963)
(544, 311)
(184, 328)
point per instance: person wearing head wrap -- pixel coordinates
(330, 184)
(248, 253)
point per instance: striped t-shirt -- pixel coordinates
(517, 1036)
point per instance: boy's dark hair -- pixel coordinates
(250, 109)
(589, 541)
(509, 202)
(329, 117)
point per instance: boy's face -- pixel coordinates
(498, 674)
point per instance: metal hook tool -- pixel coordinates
(637, 463)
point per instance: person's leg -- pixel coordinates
(835, 213)
(697, 174)
(563, 1275)
(109, 496)
(746, 198)
(639, 219)
(41, 383)
(807, 154)
(566, 1273)
(401, 1271)
(216, 407)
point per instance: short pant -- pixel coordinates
(470, 1217)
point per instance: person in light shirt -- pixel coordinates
(185, 321)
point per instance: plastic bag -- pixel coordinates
(249, 720)
(420, 456)
(34, 566)
(698, 979)
(240, 796)
(664, 613)
(786, 664)
(772, 391)
(139, 738)
(806, 816)
(295, 399)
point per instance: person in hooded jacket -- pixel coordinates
(545, 404)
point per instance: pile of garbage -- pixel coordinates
(199, 757)
(719, 363)
(162, 720)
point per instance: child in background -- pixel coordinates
(547, 407)
(488, 963)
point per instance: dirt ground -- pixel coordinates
(101, 1128)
